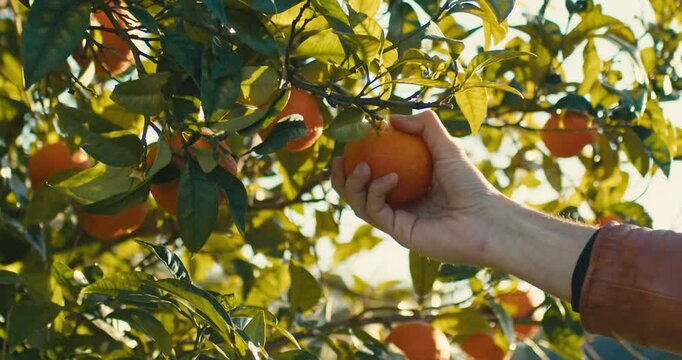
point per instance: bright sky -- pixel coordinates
(661, 196)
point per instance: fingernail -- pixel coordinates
(361, 169)
(391, 178)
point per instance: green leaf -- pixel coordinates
(162, 159)
(117, 148)
(501, 8)
(296, 355)
(365, 48)
(363, 239)
(197, 206)
(205, 304)
(452, 273)
(119, 202)
(270, 284)
(10, 278)
(552, 172)
(259, 84)
(251, 31)
(290, 127)
(255, 329)
(220, 81)
(148, 324)
(562, 329)
(491, 85)
(53, 29)
(474, 105)
(97, 183)
(656, 148)
(217, 8)
(250, 121)
(635, 151)
(325, 46)
(235, 191)
(414, 80)
(304, 292)
(632, 213)
(185, 51)
(592, 68)
(402, 24)
(505, 321)
(29, 316)
(461, 321)
(488, 58)
(10, 109)
(168, 258)
(145, 18)
(334, 14)
(143, 95)
(349, 125)
(113, 285)
(366, 7)
(434, 32)
(424, 272)
(269, 6)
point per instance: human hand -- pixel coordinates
(450, 224)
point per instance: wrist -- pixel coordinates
(538, 248)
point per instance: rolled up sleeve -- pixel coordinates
(633, 286)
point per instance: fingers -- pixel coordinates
(380, 213)
(354, 189)
(427, 125)
(368, 203)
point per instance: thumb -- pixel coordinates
(427, 125)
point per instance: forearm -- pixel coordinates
(538, 248)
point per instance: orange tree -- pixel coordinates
(241, 277)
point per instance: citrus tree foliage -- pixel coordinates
(238, 278)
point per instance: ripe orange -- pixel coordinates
(519, 305)
(109, 227)
(393, 151)
(419, 340)
(166, 193)
(54, 158)
(114, 54)
(302, 103)
(572, 138)
(605, 219)
(481, 347)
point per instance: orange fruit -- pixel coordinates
(519, 305)
(166, 193)
(109, 227)
(481, 347)
(605, 219)
(114, 54)
(572, 136)
(393, 151)
(302, 103)
(54, 158)
(419, 340)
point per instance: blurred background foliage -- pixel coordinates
(242, 278)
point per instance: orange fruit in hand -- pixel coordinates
(54, 158)
(605, 219)
(393, 151)
(481, 347)
(114, 54)
(109, 227)
(419, 340)
(302, 103)
(166, 193)
(519, 305)
(568, 133)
